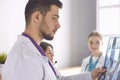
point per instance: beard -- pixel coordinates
(43, 30)
(47, 36)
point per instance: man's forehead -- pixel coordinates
(54, 10)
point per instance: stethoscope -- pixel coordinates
(88, 65)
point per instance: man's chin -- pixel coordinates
(49, 38)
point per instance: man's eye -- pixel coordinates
(54, 18)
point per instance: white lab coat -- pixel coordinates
(24, 62)
(85, 63)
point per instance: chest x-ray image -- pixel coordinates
(112, 60)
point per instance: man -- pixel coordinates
(48, 49)
(26, 60)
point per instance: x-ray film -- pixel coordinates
(112, 60)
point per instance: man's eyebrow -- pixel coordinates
(56, 16)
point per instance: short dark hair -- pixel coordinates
(39, 5)
(44, 46)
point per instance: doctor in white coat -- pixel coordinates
(96, 59)
(26, 60)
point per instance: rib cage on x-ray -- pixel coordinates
(112, 60)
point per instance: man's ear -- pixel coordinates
(36, 17)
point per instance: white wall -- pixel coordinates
(77, 19)
(11, 22)
(83, 21)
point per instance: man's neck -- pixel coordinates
(34, 36)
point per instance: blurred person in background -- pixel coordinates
(96, 58)
(48, 49)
